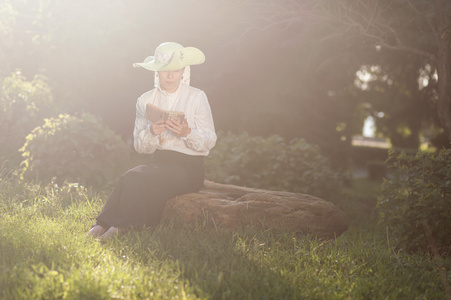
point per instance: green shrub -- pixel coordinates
(272, 163)
(23, 105)
(417, 198)
(75, 149)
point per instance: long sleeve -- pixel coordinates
(194, 103)
(144, 141)
(202, 137)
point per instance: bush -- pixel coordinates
(75, 149)
(273, 164)
(417, 199)
(23, 105)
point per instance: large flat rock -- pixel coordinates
(231, 206)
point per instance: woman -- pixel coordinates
(177, 148)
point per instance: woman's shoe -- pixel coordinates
(110, 233)
(96, 231)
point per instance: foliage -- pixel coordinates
(418, 198)
(317, 101)
(373, 35)
(401, 93)
(77, 149)
(274, 164)
(23, 105)
(45, 255)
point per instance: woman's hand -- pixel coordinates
(179, 129)
(158, 127)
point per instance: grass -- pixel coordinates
(44, 254)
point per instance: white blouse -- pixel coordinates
(194, 103)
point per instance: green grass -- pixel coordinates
(44, 254)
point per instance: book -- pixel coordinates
(155, 114)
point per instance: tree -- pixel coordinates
(420, 27)
(400, 93)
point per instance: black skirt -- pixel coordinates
(140, 195)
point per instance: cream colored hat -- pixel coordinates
(171, 56)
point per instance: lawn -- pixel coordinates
(45, 255)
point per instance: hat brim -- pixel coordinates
(181, 58)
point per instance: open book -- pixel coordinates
(155, 114)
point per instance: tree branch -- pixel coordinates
(365, 18)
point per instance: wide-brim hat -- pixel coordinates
(172, 56)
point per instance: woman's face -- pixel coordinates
(170, 80)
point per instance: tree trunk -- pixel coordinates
(444, 67)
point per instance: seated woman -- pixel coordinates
(178, 148)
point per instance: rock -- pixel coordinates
(231, 206)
